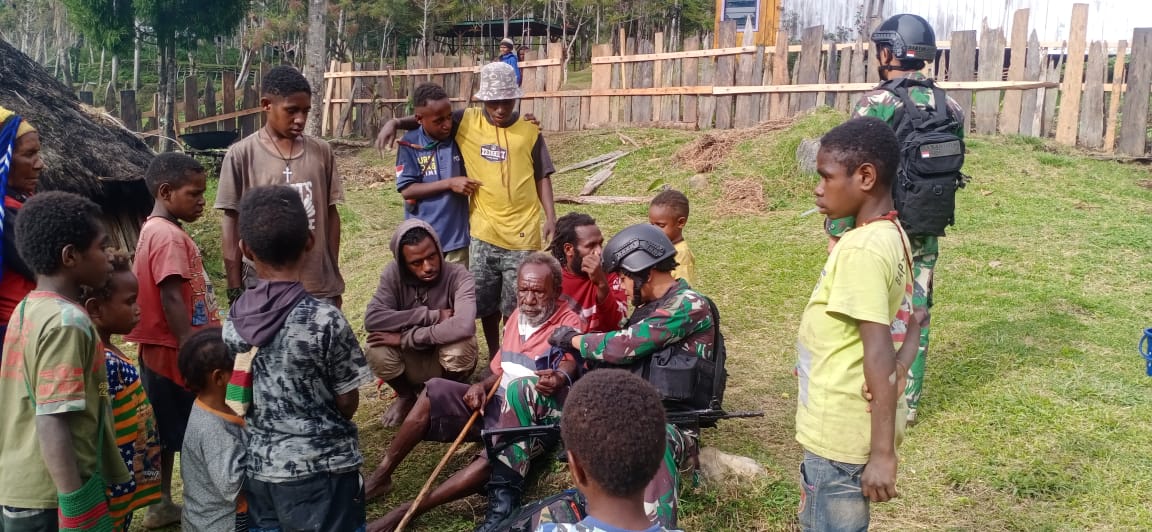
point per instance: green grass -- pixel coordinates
(1031, 418)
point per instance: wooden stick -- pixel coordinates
(602, 200)
(593, 161)
(444, 461)
(597, 179)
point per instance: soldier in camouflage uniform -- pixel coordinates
(904, 43)
(668, 313)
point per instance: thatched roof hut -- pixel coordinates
(98, 159)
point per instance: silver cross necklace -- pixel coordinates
(287, 160)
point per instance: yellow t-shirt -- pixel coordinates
(505, 210)
(687, 268)
(865, 279)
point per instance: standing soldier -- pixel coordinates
(903, 44)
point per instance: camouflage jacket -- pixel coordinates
(681, 316)
(591, 524)
(882, 104)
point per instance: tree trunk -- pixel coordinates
(136, 65)
(314, 66)
(100, 77)
(115, 72)
(167, 111)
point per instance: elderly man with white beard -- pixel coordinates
(531, 382)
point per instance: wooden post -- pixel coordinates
(642, 79)
(749, 72)
(552, 115)
(191, 111)
(110, 99)
(1091, 134)
(228, 98)
(627, 80)
(1072, 87)
(1028, 114)
(129, 114)
(1134, 113)
(1052, 74)
(1114, 99)
(1010, 118)
(706, 105)
(809, 66)
(831, 75)
(659, 107)
(210, 100)
(329, 94)
(780, 101)
(725, 75)
(962, 67)
(690, 70)
(86, 97)
(844, 99)
(249, 124)
(991, 69)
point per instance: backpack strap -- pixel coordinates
(719, 356)
(938, 120)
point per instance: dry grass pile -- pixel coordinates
(703, 154)
(741, 196)
(362, 167)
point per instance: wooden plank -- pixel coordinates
(1028, 97)
(1010, 118)
(249, 124)
(571, 109)
(780, 102)
(429, 71)
(1051, 96)
(541, 87)
(111, 98)
(706, 105)
(468, 82)
(659, 109)
(593, 161)
(991, 69)
(844, 99)
(831, 74)
(809, 62)
(228, 92)
(1091, 133)
(858, 75)
(347, 88)
(601, 79)
(766, 79)
(1134, 113)
(627, 79)
(129, 114)
(438, 62)
(725, 75)
(962, 67)
(1114, 100)
(191, 111)
(528, 83)
(689, 73)
(555, 75)
(86, 97)
(672, 73)
(213, 119)
(210, 99)
(642, 79)
(602, 200)
(715, 52)
(596, 180)
(978, 86)
(1071, 90)
(748, 105)
(329, 92)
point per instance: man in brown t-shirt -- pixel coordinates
(280, 154)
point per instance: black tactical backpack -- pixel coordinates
(931, 156)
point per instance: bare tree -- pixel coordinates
(314, 64)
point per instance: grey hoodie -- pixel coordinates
(407, 305)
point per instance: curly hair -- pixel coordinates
(566, 233)
(172, 168)
(49, 222)
(539, 257)
(121, 263)
(412, 237)
(203, 353)
(864, 140)
(284, 81)
(427, 92)
(613, 424)
(672, 199)
(273, 224)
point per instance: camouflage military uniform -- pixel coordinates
(682, 317)
(884, 105)
(591, 525)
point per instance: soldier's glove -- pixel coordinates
(562, 337)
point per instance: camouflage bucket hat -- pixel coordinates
(498, 82)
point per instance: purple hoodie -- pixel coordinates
(260, 312)
(411, 307)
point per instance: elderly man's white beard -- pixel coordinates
(539, 319)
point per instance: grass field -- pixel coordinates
(1031, 418)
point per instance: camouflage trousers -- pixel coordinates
(524, 407)
(925, 251)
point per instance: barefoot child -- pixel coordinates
(57, 445)
(297, 379)
(176, 300)
(114, 310)
(669, 211)
(857, 314)
(614, 430)
(214, 455)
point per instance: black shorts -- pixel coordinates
(448, 414)
(172, 404)
(327, 502)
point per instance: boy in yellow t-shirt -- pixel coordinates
(669, 212)
(507, 156)
(859, 312)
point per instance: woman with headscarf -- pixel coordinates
(20, 166)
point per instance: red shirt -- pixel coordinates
(600, 318)
(13, 285)
(165, 250)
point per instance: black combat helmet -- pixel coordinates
(637, 248)
(908, 36)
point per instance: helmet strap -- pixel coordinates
(638, 280)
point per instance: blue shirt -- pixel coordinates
(511, 59)
(446, 212)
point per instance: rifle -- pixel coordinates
(496, 440)
(695, 419)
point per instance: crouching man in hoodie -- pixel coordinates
(296, 379)
(422, 321)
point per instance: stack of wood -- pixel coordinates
(607, 164)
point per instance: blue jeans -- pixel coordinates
(830, 496)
